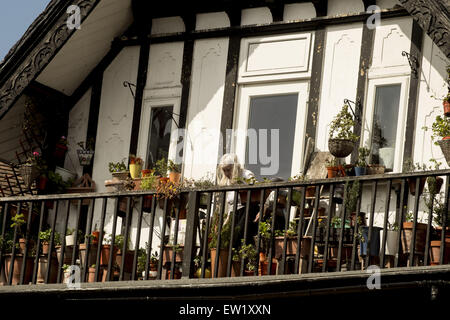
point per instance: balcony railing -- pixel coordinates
(308, 227)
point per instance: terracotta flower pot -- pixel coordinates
(412, 185)
(168, 254)
(105, 254)
(406, 237)
(95, 237)
(435, 252)
(17, 268)
(91, 276)
(446, 105)
(223, 262)
(174, 177)
(45, 247)
(332, 172)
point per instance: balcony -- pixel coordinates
(310, 228)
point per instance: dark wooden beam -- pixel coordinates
(144, 56)
(277, 10)
(229, 96)
(186, 73)
(321, 7)
(94, 110)
(368, 3)
(434, 18)
(265, 30)
(416, 52)
(315, 85)
(365, 61)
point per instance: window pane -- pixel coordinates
(387, 99)
(273, 112)
(159, 142)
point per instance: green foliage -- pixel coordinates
(57, 184)
(161, 167)
(149, 182)
(409, 166)
(331, 162)
(174, 167)
(18, 221)
(249, 254)
(440, 128)
(363, 153)
(342, 125)
(225, 233)
(353, 190)
(117, 166)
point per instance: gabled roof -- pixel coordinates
(36, 48)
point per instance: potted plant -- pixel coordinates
(332, 168)
(249, 255)
(265, 233)
(91, 273)
(60, 148)
(153, 266)
(86, 153)
(436, 203)
(341, 137)
(161, 170)
(118, 170)
(225, 236)
(291, 241)
(391, 247)
(148, 183)
(135, 166)
(361, 164)
(441, 130)
(106, 251)
(409, 167)
(446, 104)
(70, 237)
(31, 168)
(45, 236)
(406, 235)
(18, 220)
(174, 171)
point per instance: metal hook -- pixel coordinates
(413, 63)
(129, 85)
(356, 104)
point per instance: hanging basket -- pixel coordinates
(340, 148)
(85, 157)
(445, 147)
(29, 173)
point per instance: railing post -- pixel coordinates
(191, 232)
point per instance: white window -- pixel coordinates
(270, 126)
(385, 121)
(158, 132)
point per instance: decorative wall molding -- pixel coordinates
(434, 18)
(41, 56)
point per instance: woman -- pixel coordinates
(230, 171)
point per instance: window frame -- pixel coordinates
(144, 131)
(242, 113)
(369, 110)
